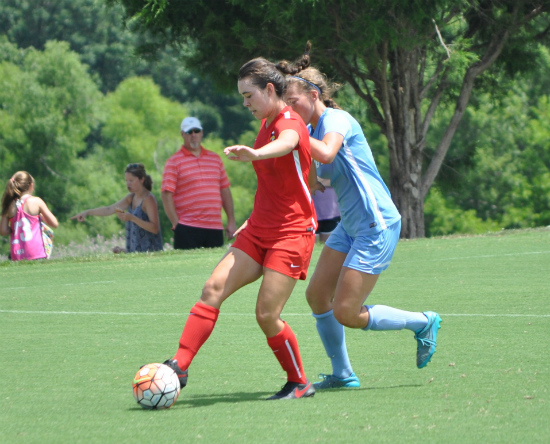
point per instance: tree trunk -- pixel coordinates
(405, 190)
(401, 104)
(400, 89)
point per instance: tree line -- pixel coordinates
(77, 104)
(411, 63)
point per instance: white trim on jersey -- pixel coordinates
(368, 189)
(289, 348)
(296, 155)
(286, 114)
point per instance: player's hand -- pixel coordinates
(241, 153)
(317, 187)
(241, 228)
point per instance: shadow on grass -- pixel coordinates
(208, 400)
(362, 389)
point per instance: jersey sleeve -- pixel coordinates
(224, 180)
(289, 123)
(337, 123)
(169, 177)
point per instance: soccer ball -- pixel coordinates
(156, 386)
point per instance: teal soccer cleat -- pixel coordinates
(427, 339)
(331, 381)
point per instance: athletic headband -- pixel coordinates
(308, 82)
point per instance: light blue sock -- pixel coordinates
(382, 317)
(334, 339)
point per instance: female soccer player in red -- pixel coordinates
(276, 242)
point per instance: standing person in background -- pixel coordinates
(276, 242)
(326, 208)
(23, 218)
(143, 231)
(194, 189)
(362, 245)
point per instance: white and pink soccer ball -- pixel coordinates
(156, 386)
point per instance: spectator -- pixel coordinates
(24, 219)
(142, 218)
(328, 213)
(194, 189)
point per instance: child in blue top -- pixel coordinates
(362, 245)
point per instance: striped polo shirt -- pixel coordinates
(196, 184)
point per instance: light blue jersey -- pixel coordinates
(364, 200)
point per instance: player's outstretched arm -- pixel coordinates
(284, 144)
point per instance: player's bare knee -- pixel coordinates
(211, 292)
(345, 316)
(265, 319)
(319, 301)
(311, 296)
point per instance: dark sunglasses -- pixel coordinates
(193, 131)
(133, 166)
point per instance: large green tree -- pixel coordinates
(403, 58)
(97, 33)
(48, 106)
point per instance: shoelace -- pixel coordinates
(425, 341)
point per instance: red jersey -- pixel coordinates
(283, 204)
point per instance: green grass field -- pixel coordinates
(74, 332)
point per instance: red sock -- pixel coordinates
(199, 326)
(285, 347)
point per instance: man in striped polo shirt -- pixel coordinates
(194, 189)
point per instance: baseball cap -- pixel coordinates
(189, 123)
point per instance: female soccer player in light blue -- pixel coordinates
(362, 245)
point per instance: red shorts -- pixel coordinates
(289, 255)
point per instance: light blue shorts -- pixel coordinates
(368, 254)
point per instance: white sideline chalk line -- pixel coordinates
(112, 313)
(66, 285)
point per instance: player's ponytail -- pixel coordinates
(293, 68)
(309, 78)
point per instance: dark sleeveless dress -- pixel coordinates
(140, 240)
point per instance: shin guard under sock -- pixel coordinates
(285, 348)
(334, 340)
(197, 330)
